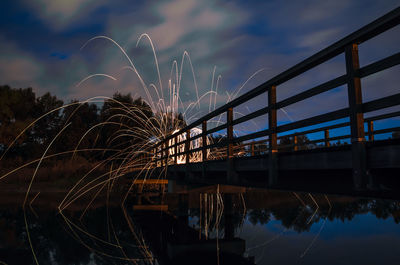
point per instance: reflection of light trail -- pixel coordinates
(320, 229)
(304, 209)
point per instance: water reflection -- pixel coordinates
(208, 225)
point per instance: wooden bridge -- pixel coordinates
(261, 155)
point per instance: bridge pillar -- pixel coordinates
(358, 148)
(273, 140)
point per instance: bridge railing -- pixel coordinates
(169, 150)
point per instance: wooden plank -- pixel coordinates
(252, 136)
(330, 127)
(383, 116)
(381, 103)
(387, 130)
(378, 66)
(330, 139)
(251, 115)
(218, 128)
(330, 116)
(150, 181)
(339, 81)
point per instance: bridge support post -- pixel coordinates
(231, 174)
(358, 148)
(273, 140)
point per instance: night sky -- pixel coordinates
(41, 40)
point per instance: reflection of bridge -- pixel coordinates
(242, 155)
(173, 240)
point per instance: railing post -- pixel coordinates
(160, 154)
(229, 129)
(187, 146)
(252, 149)
(187, 155)
(176, 149)
(204, 148)
(296, 144)
(204, 141)
(327, 143)
(371, 131)
(356, 117)
(231, 176)
(273, 141)
(165, 154)
(154, 156)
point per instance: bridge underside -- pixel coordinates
(323, 169)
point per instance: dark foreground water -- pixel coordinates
(208, 225)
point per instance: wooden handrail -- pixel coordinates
(355, 111)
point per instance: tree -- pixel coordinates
(47, 127)
(16, 108)
(127, 123)
(82, 117)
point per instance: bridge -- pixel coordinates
(262, 157)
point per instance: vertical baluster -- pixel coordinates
(164, 155)
(327, 143)
(296, 145)
(371, 136)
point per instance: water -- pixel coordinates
(205, 225)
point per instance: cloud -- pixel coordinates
(17, 67)
(59, 14)
(319, 39)
(315, 10)
(205, 29)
